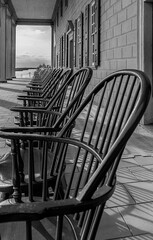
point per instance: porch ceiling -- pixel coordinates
(33, 11)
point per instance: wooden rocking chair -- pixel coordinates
(83, 166)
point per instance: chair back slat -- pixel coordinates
(44, 176)
(30, 171)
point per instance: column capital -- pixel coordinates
(9, 6)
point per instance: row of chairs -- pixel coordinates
(67, 148)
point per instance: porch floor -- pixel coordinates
(129, 213)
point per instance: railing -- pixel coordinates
(25, 72)
(24, 68)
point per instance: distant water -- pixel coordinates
(25, 74)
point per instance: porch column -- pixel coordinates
(52, 42)
(8, 46)
(3, 10)
(13, 48)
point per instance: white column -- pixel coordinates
(2, 43)
(52, 42)
(13, 48)
(8, 45)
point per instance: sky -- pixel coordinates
(33, 46)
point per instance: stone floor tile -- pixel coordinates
(124, 176)
(142, 173)
(127, 162)
(140, 191)
(121, 197)
(144, 160)
(138, 237)
(139, 218)
(112, 225)
(150, 167)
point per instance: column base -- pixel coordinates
(3, 81)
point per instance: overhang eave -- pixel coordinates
(24, 21)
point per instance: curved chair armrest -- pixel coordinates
(27, 109)
(30, 129)
(27, 96)
(32, 99)
(34, 110)
(33, 91)
(37, 210)
(35, 85)
(49, 138)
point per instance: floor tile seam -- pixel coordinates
(137, 165)
(126, 189)
(141, 166)
(131, 156)
(135, 181)
(120, 213)
(141, 180)
(144, 181)
(129, 205)
(137, 235)
(130, 230)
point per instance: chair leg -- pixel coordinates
(59, 228)
(97, 219)
(28, 230)
(20, 163)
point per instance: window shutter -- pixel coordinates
(75, 43)
(80, 40)
(64, 50)
(86, 42)
(61, 52)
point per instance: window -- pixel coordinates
(75, 44)
(86, 33)
(80, 40)
(57, 63)
(94, 16)
(61, 52)
(86, 37)
(93, 31)
(64, 50)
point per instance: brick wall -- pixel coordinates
(118, 34)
